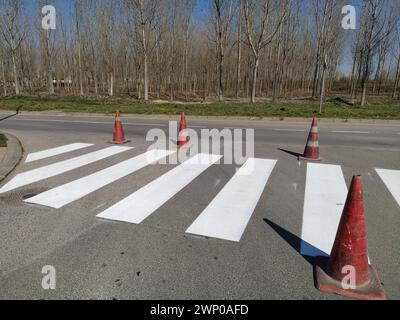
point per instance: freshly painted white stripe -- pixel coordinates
(355, 132)
(56, 151)
(391, 178)
(227, 216)
(325, 196)
(75, 190)
(138, 206)
(55, 169)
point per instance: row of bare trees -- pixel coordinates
(198, 50)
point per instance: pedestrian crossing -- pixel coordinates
(226, 217)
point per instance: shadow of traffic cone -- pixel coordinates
(350, 253)
(119, 136)
(311, 152)
(183, 137)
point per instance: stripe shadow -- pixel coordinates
(318, 257)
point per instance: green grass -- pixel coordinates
(377, 109)
(3, 141)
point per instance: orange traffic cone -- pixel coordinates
(311, 152)
(119, 136)
(183, 137)
(349, 256)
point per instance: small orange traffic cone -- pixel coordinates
(350, 252)
(183, 137)
(311, 152)
(119, 136)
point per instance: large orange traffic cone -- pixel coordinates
(311, 152)
(183, 137)
(119, 136)
(349, 256)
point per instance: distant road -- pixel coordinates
(375, 136)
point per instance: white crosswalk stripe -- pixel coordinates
(324, 200)
(138, 206)
(56, 151)
(58, 168)
(391, 178)
(67, 193)
(229, 213)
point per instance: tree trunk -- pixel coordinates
(276, 75)
(111, 90)
(79, 52)
(3, 74)
(254, 85)
(397, 79)
(322, 93)
(15, 73)
(365, 78)
(145, 58)
(239, 53)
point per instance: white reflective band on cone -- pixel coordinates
(313, 144)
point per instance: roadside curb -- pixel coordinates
(14, 153)
(194, 117)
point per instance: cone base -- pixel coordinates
(371, 291)
(301, 158)
(119, 142)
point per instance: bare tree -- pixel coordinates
(13, 31)
(78, 18)
(47, 37)
(397, 57)
(3, 68)
(239, 50)
(145, 12)
(262, 25)
(377, 24)
(223, 12)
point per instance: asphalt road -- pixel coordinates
(156, 259)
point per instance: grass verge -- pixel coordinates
(379, 109)
(3, 141)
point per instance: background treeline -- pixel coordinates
(204, 50)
